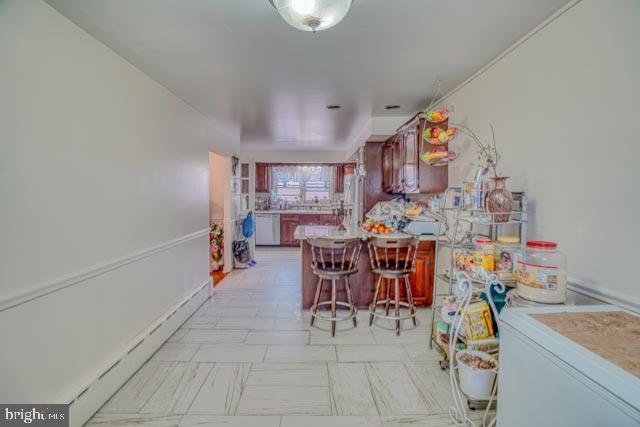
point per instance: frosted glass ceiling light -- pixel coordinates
(312, 15)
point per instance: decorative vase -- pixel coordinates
(500, 199)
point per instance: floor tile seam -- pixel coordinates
(415, 385)
(243, 386)
(213, 365)
(173, 365)
(373, 395)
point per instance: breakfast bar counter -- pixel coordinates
(362, 283)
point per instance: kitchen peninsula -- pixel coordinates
(362, 283)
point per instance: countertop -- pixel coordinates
(304, 232)
(297, 211)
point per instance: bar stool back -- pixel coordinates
(392, 260)
(334, 260)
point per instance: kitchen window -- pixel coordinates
(302, 183)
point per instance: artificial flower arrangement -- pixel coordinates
(217, 245)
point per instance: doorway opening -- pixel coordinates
(220, 216)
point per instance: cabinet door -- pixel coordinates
(327, 219)
(308, 219)
(410, 162)
(262, 178)
(339, 178)
(397, 164)
(387, 167)
(288, 224)
(431, 179)
(421, 279)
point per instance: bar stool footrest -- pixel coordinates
(382, 315)
(353, 311)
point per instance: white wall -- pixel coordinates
(104, 203)
(217, 180)
(564, 104)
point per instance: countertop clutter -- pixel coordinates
(297, 211)
(305, 232)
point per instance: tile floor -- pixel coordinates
(247, 357)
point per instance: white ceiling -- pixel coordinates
(239, 63)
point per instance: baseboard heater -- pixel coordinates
(91, 397)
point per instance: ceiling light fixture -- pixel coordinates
(391, 107)
(312, 15)
(333, 107)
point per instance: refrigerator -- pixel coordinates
(354, 199)
(547, 379)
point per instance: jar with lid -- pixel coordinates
(507, 253)
(542, 274)
(463, 260)
(483, 253)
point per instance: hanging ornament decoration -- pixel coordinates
(437, 133)
(438, 116)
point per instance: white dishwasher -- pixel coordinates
(547, 379)
(267, 229)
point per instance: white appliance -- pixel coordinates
(423, 225)
(354, 198)
(267, 228)
(546, 379)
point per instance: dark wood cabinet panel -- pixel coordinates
(377, 163)
(387, 167)
(288, 224)
(421, 279)
(410, 154)
(431, 179)
(402, 169)
(342, 170)
(397, 162)
(263, 178)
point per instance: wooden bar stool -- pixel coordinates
(393, 259)
(334, 259)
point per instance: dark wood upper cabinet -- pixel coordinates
(342, 170)
(397, 162)
(387, 167)
(263, 178)
(431, 179)
(402, 169)
(410, 154)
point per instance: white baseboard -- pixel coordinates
(90, 398)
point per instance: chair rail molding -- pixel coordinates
(76, 278)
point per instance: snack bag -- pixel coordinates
(477, 321)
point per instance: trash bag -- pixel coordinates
(241, 251)
(248, 225)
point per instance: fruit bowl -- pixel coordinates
(439, 157)
(438, 116)
(436, 136)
